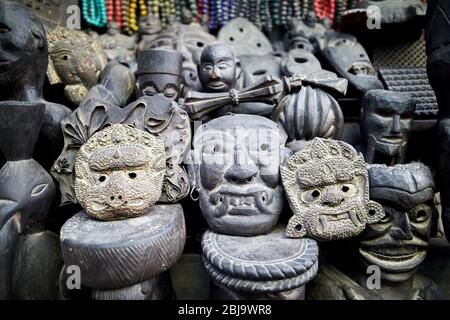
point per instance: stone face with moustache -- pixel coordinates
(328, 190)
(398, 242)
(235, 168)
(386, 122)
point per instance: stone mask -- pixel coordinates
(349, 59)
(386, 122)
(119, 173)
(159, 72)
(74, 60)
(217, 69)
(398, 242)
(235, 168)
(328, 190)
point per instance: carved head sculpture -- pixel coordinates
(74, 60)
(149, 25)
(23, 54)
(328, 190)
(189, 40)
(117, 46)
(398, 242)
(349, 59)
(235, 168)
(159, 72)
(258, 66)
(217, 68)
(119, 173)
(386, 122)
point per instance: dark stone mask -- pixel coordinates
(386, 123)
(349, 59)
(398, 242)
(235, 168)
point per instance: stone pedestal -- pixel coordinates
(269, 266)
(126, 259)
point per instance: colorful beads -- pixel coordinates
(94, 12)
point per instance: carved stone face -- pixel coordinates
(328, 190)
(149, 25)
(349, 59)
(398, 242)
(235, 167)
(21, 38)
(386, 121)
(159, 73)
(217, 69)
(119, 173)
(75, 60)
(189, 40)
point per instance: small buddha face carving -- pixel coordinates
(348, 57)
(217, 69)
(149, 25)
(119, 173)
(327, 187)
(74, 59)
(235, 167)
(386, 121)
(398, 242)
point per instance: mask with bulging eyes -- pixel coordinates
(328, 190)
(119, 173)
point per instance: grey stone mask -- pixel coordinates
(235, 167)
(327, 186)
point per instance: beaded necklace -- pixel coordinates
(113, 11)
(94, 12)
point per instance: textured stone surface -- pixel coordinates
(118, 254)
(261, 264)
(119, 173)
(327, 186)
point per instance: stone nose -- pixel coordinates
(241, 173)
(332, 197)
(401, 227)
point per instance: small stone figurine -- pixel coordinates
(30, 257)
(22, 74)
(117, 46)
(121, 241)
(386, 122)
(327, 186)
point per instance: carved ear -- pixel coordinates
(39, 37)
(191, 167)
(375, 212)
(296, 228)
(52, 75)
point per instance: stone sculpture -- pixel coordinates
(386, 122)
(23, 64)
(119, 173)
(117, 46)
(26, 196)
(234, 167)
(156, 114)
(327, 187)
(126, 259)
(311, 112)
(160, 72)
(189, 40)
(149, 28)
(397, 244)
(268, 266)
(349, 59)
(75, 60)
(306, 34)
